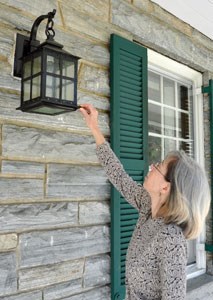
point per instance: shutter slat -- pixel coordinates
(130, 55)
(132, 94)
(133, 140)
(128, 67)
(128, 71)
(129, 216)
(126, 234)
(129, 107)
(125, 240)
(123, 73)
(127, 229)
(127, 95)
(128, 222)
(132, 60)
(131, 81)
(127, 211)
(130, 145)
(129, 128)
(127, 100)
(131, 117)
(130, 88)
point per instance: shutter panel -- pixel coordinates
(129, 136)
(209, 91)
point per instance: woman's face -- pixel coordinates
(156, 176)
(156, 185)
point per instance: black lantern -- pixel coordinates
(48, 73)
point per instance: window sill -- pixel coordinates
(193, 271)
(200, 288)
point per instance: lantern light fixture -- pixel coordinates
(48, 73)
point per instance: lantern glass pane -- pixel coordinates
(68, 69)
(52, 87)
(67, 90)
(26, 91)
(36, 87)
(27, 69)
(37, 65)
(53, 65)
(48, 110)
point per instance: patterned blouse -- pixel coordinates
(157, 253)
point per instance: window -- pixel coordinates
(175, 122)
(170, 116)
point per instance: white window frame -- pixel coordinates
(167, 66)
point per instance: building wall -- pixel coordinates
(54, 197)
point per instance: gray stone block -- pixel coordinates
(37, 216)
(6, 80)
(94, 212)
(36, 7)
(8, 241)
(94, 79)
(18, 188)
(75, 181)
(19, 167)
(8, 276)
(51, 274)
(97, 271)
(37, 295)
(97, 101)
(96, 294)
(42, 144)
(42, 248)
(62, 290)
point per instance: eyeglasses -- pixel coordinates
(156, 165)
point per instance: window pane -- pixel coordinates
(36, 87)
(37, 65)
(183, 128)
(26, 90)
(67, 90)
(155, 149)
(187, 147)
(68, 69)
(154, 87)
(169, 122)
(168, 92)
(183, 97)
(52, 87)
(169, 145)
(27, 69)
(53, 65)
(154, 118)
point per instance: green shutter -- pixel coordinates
(209, 90)
(129, 135)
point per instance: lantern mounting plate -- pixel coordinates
(25, 44)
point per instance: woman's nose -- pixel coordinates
(150, 167)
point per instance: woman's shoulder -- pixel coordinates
(172, 233)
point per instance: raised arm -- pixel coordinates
(91, 117)
(133, 192)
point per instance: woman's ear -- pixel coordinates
(165, 189)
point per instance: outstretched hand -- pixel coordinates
(90, 114)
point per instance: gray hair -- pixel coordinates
(189, 200)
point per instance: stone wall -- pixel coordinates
(54, 197)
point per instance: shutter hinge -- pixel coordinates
(209, 247)
(208, 89)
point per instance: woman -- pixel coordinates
(172, 203)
